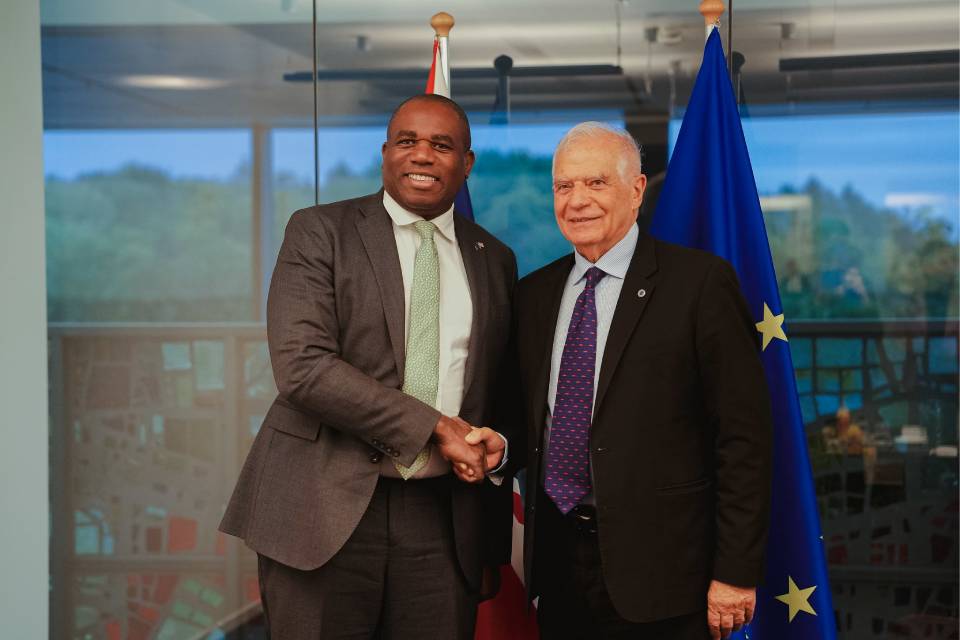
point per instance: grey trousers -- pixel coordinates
(397, 576)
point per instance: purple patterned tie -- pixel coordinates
(568, 452)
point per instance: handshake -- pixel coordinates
(472, 451)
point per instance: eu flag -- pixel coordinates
(709, 201)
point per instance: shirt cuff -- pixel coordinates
(494, 474)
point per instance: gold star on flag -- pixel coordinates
(771, 327)
(797, 599)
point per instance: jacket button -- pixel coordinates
(375, 457)
(599, 449)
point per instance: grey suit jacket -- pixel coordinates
(335, 327)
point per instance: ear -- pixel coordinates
(638, 187)
(468, 159)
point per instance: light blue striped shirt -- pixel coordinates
(614, 263)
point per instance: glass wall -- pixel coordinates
(181, 135)
(171, 138)
(852, 124)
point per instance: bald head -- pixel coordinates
(433, 98)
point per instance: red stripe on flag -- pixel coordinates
(518, 507)
(433, 67)
(507, 616)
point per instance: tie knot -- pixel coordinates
(594, 275)
(425, 228)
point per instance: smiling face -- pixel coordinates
(425, 159)
(593, 202)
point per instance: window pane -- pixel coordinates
(162, 120)
(148, 226)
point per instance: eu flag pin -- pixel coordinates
(478, 246)
(641, 293)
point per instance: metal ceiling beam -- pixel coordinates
(861, 61)
(470, 73)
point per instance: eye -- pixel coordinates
(561, 187)
(440, 146)
(405, 142)
(596, 183)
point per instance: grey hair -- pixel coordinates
(629, 158)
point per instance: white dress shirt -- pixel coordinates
(456, 314)
(614, 263)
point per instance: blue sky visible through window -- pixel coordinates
(358, 148)
(216, 154)
(905, 162)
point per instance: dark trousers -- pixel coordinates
(397, 576)
(574, 603)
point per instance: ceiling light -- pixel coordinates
(171, 82)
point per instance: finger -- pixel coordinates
(713, 622)
(472, 476)
(494, 442)
(468, 479)
(726, 624)
(738, 619)
(478, 435)
(480, 468)
(483, 458)
(748, 614)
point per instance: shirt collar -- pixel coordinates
(401, 217)
(614, 262)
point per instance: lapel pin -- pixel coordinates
(641, 293)
(478, 246)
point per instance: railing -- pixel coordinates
(150, 424)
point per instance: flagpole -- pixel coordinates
(711, 10)
(442, 23)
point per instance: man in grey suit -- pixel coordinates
(387, 320)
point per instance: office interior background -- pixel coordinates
(179, 136)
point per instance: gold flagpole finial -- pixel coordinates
(711, 11)
(442, 23)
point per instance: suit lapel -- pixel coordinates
(634, 296)
(548, 308)
(475, 263)
(376, 232)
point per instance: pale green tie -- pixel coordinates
(421, 375)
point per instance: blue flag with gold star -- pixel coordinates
(709, 201)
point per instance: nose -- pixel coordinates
(579, 196)
(422, 152)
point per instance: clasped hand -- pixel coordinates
(472, 451)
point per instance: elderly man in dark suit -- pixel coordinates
(387, 319)
(645, 419)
